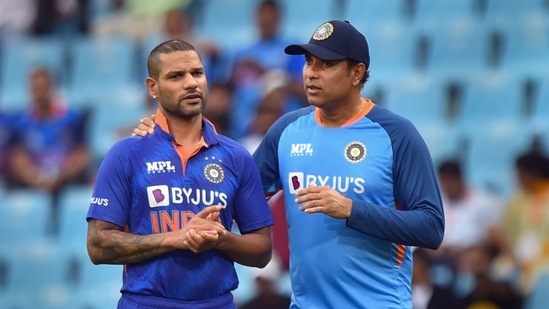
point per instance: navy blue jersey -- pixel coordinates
(149, 185)
(377, 159)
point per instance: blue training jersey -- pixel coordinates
(377, 159)
(148, 185)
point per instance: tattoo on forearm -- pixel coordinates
(111, 245)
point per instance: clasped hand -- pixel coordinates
(204, 230)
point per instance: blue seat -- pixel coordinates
(102, 68)
(526, 45)
(114, 122)
(422, 101)
(73, 228)
(503, 10)
(457, 46)
(495, 99)
(18, 58)
(374, 13)
(425, 104)
(298, 21)
(393, 50)
(99, 285)
(491, 153)
(434, 13)
(392, 42)
(229, 22)
(26, 217)
(38, 277)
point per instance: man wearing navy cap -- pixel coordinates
(359, 184)
(360, 188)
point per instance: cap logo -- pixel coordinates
(323, 32)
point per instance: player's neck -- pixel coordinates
(340, 113)
(187, 132)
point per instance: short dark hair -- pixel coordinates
(534, 163)
(274, 4)
(451, 168)
(153, 62)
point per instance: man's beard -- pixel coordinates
(185, 112)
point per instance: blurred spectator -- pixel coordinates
(523, 235)
(178, 23)
(62, 17)
(136, 19)
(16, 17)
(50, 148)
(426, 294)
(267, 296)
(271, 107)
(470, 212)
(265, 54)
(218, 107)
(475, 287)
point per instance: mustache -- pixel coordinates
(192, 95)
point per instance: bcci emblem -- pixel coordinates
(323, 32)
(355, 152)
(214, 173)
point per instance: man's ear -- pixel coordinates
(152, 87)
(358, 73)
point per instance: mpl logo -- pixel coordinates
(158, 196)
(295, 181)
(160, 167)
(301, 150)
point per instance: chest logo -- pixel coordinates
(355, 152)
(301, 150)
(160, 167)
(214, 173)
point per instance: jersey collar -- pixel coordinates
(209, 133)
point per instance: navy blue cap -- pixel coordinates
(335, 40)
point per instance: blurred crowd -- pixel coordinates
(496, 247)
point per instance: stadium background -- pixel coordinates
(471, 74)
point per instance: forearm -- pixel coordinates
(76, 163)
(23, 168)
(421, 227)
(111, 246)
(252, 249)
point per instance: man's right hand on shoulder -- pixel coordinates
(145, 127)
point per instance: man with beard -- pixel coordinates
(163, 205)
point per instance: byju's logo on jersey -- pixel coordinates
(158, 196)
(295, 181)
(301, 150)
(160, 167)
